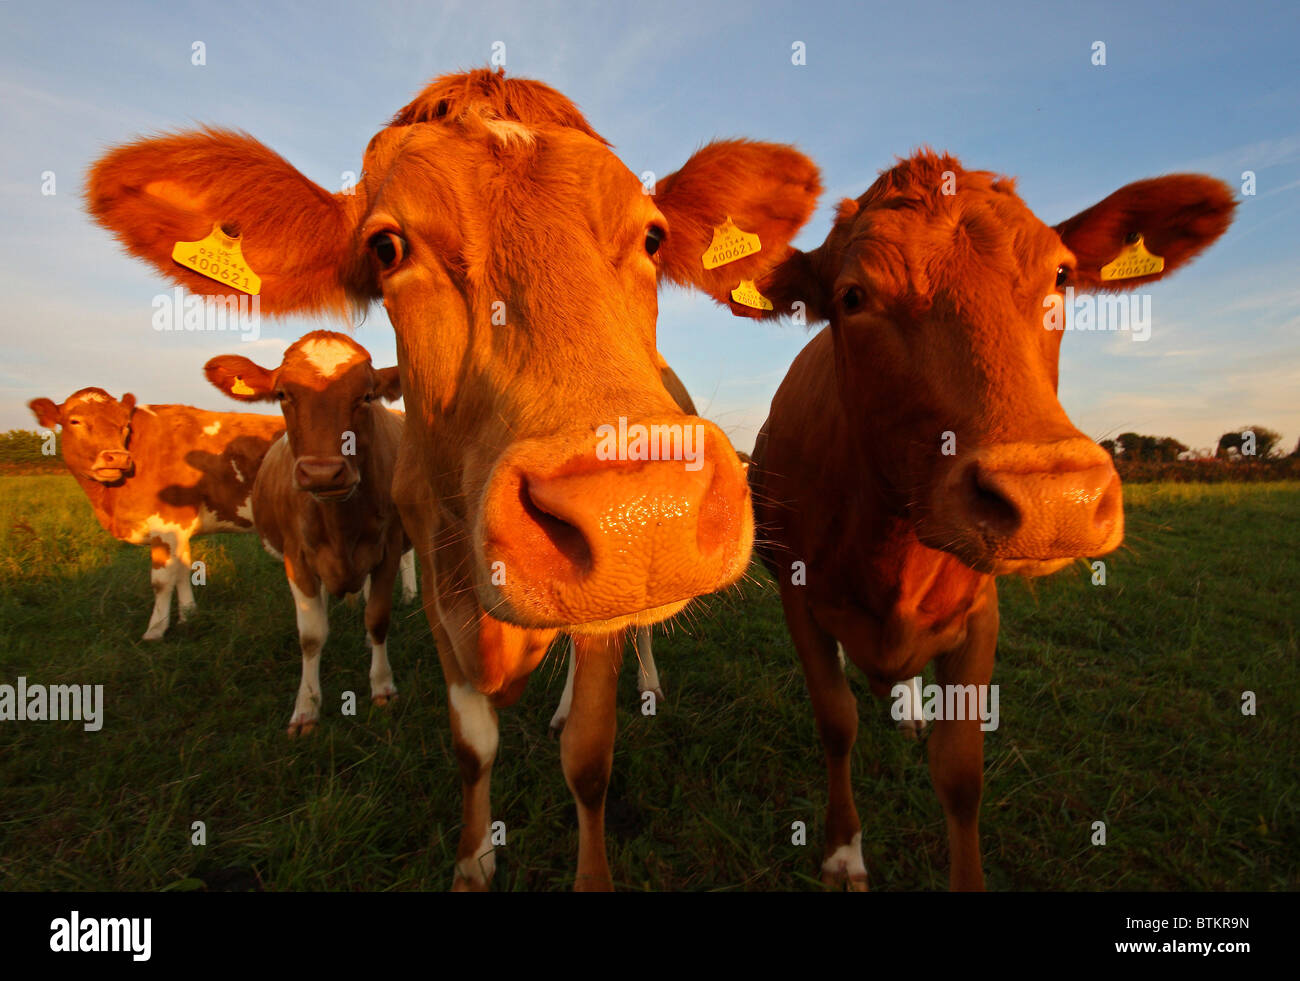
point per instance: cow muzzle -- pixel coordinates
(577, 533)
(111, 466)
(326, 478)
(1027, 507)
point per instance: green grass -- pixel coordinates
(1119, 703)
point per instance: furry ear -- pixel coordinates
(240, 378)
(766, 189)
(128, 403)
(388, 383)
(47, 413)
(297, 237)
(1178, 217)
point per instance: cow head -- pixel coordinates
(942, 290)
(519, 261)
(327, 391)
(96, 431)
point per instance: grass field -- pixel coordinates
(1119, 703)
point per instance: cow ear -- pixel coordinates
(128, 403)
(240, 378)
(767, 190)
(793, 289)
(47, 413)
(1177, 217)
(388, 383)
(294, 235)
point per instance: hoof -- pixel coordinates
(840, 881)
(154, 633)
(912, 729)
(301, 727)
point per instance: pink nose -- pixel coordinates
(323, 474)
(588, 540)
(1030, 502)
(113, 460)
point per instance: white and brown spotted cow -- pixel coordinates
(323, 499)
(159, 475)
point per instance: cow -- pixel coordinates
(647, 676)
(518, 259)
(160, 475)
(323, 500)
(916, 449)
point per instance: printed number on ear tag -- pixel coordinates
(1134, 260)
(219, 257)
(747, 294)
(729, 244)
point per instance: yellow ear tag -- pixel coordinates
(219, 257)
(729, 244)
(1134, 260)
(239, 388)
(748, 295)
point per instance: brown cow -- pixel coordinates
(938, 304)
(161, 475)
(323, 500)
(647, 675)
(519, 262)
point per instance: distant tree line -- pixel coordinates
(1251, 453)
(24, 446)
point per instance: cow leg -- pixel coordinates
(474, 737)
(163, 580)
(183, 564)
(309, 601)
(836, 712)
(566, 698)
(647, 675)
(912, 724)
(410, 590)
(587, 750)
(379, 608)
(956, 747)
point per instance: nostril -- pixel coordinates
(989, 507)
(1110, 506)
(567, 539)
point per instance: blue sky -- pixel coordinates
(1209, 87)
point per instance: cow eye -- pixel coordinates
(852, 299)
(389, 248)
(1062, 276)
(654, 237)
(281, 395)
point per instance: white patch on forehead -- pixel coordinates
(93, 397)
(329, 356)
(212, 429)
(506, 130)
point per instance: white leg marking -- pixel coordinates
(476, 725)
(481, 867)
(184, 567)
(647, 675)
(409, 588)
(839, 652)
(912, 723)
(313, 631)
(163, 579)
(566, 699)
(846, 860)
(381, 672)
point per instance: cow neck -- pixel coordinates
(920, 595)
